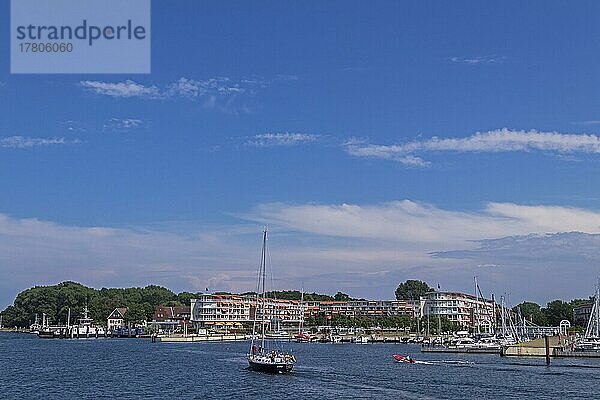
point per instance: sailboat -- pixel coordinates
(260, 357)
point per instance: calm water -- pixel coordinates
(134, 368)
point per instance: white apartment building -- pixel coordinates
(361, 308)
(220, 311)
(463, 309)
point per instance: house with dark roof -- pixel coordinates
(116, 319)
(168, 318)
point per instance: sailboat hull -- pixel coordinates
(271, 368)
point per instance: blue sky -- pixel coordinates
(380, 141)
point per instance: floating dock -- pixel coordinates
(550, 346)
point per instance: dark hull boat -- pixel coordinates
(260, 358)
(270, 367)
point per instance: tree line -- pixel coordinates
(55, 301)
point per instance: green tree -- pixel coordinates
(557, 311)
(412, 290)
(532, 312)
(339, 296)
(136, 313)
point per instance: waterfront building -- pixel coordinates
(361, 308)
(380, 308)
(116, 319)
(168, 318)
(222, 311)
(233, 311)
(463, 309)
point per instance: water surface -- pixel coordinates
(136, 368)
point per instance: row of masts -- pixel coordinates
(513, 325)
(82, 321)
(592, 330)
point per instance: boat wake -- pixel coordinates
(456, 362)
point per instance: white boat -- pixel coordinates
(462, 343)
(85, 328)
(35, 327)
(281, 335)
(361, 340)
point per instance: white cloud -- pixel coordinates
(22, 142)
(122, 89)
(364, 249)
(415, 240)
(489, 59)
(34, 252)
(207, 89)
(282, 139)
(422, 224)
(191, 88)
(120, 125)
(501, 140)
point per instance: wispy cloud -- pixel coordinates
(282, 139)
(73, 126)
(192, 88)
(22, 142)
(121, 125)
(502, 140)
(566, 246)
(219, 93)
(122, 89)
(400, 237)
(489, 59)
(423, 224)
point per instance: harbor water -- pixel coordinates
(35, 368)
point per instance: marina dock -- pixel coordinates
(200, 338)
(473, 350)
(540, 347)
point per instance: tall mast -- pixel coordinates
(476, 319)
(301, 326)
(503, 316)
(260, 296)
(264, 273)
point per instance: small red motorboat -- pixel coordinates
(404, 359)
(302, 338)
